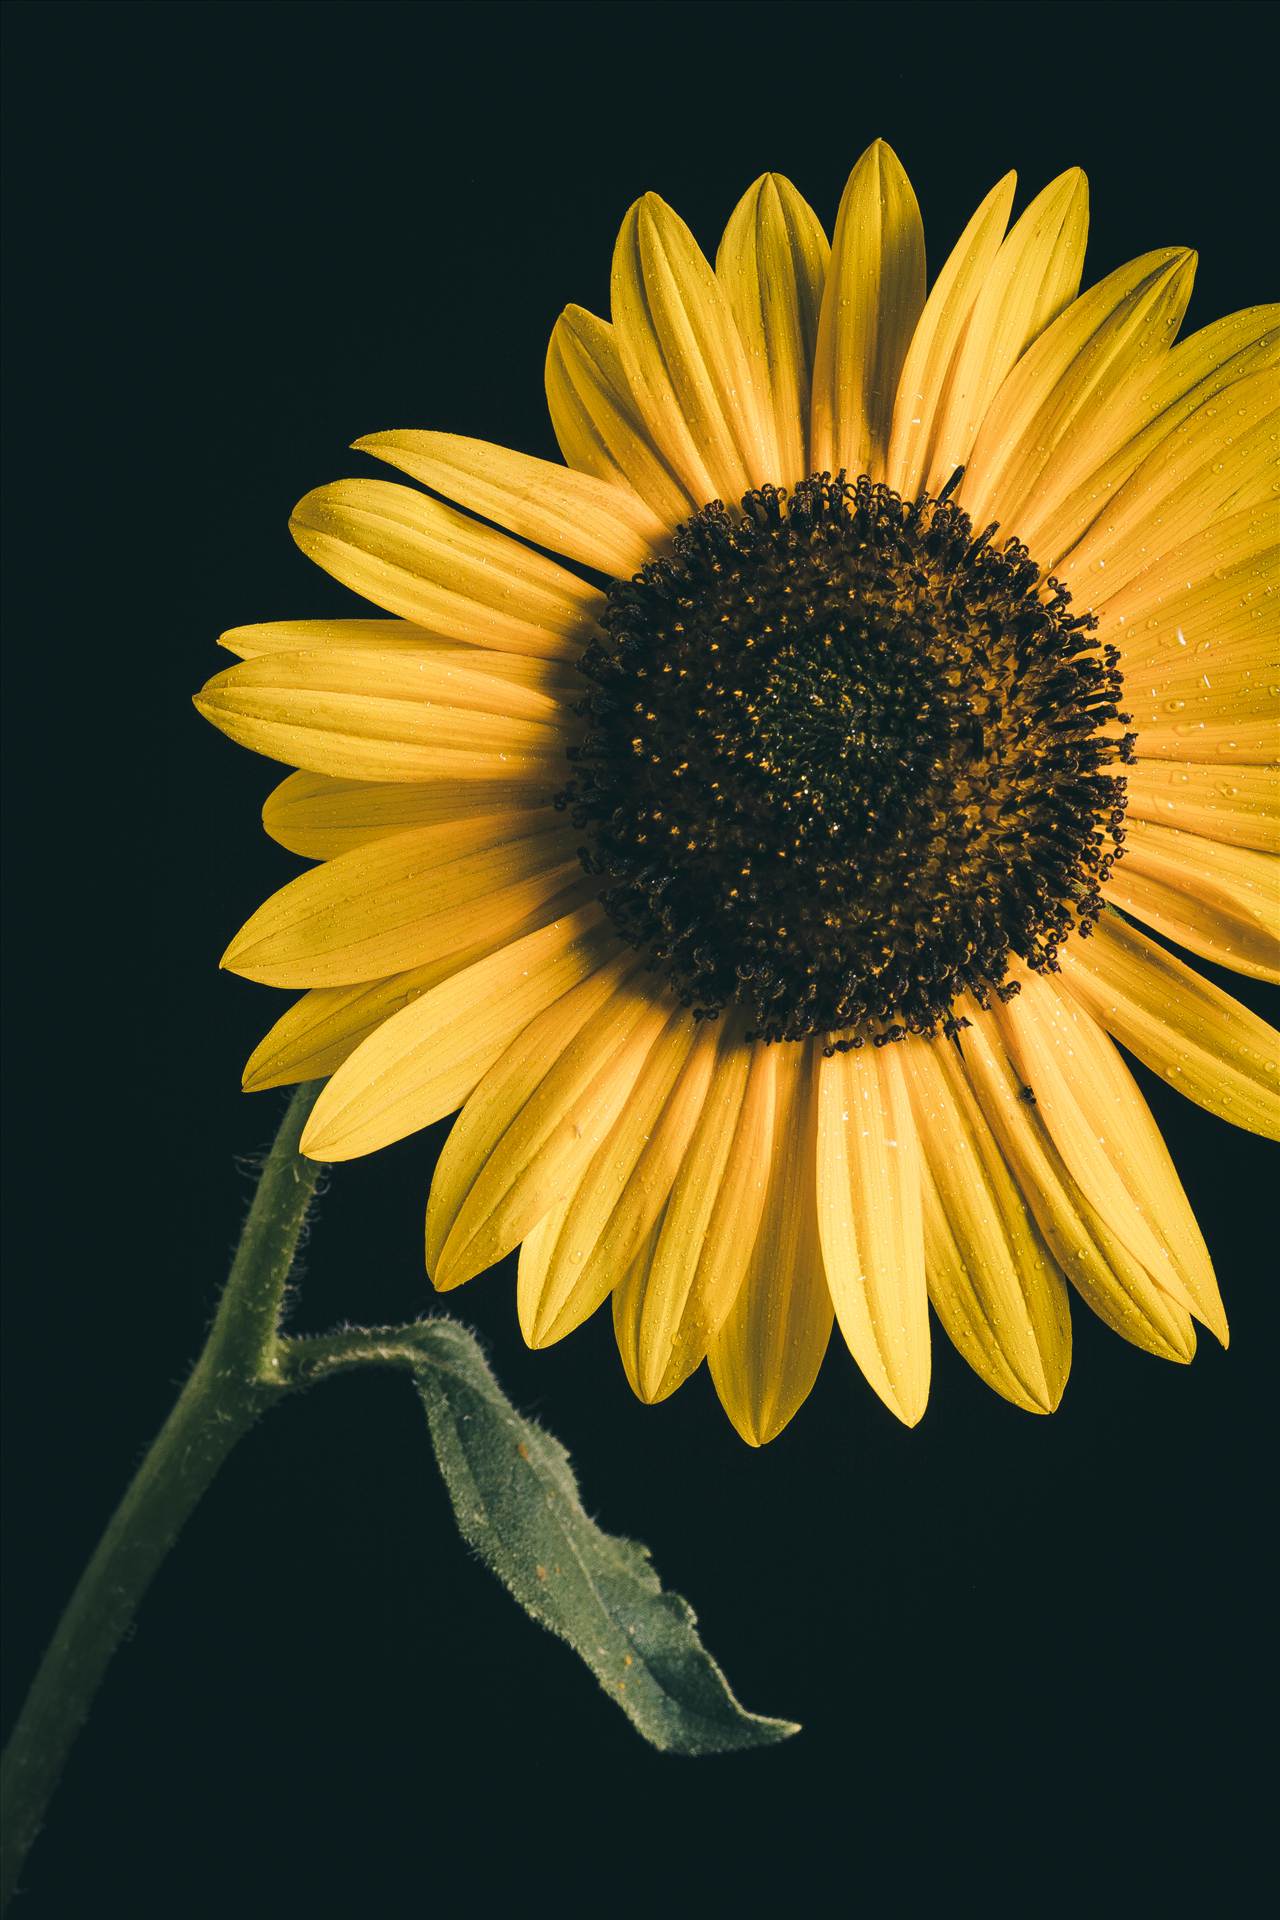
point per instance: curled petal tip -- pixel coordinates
(312, 1146)
(880, 150)
(451, 1270)
(539, 1335)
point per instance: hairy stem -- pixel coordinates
(237, 1375)
(305, 1362)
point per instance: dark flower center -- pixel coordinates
(842, 759)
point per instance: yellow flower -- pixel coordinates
(848, 764)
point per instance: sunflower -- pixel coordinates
(770, 877)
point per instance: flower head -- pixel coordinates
(769, 879)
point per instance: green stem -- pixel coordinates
(305, 1362)
(237, 1375)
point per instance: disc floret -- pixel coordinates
(843, 759)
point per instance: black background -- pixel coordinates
(1026, 1652)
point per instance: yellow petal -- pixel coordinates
(1120, 367)
(536, 1250)
(593, 412)
(504, 1187)
(1238, 805)
(1198, 1038)
(426, 1057)
(401, 902)
(869, 1210)
(1087, 1122)
(600, 523)
(772, 263)
(643, 1200)
(318, 817)
(1119, 1288)
(430, 564)
(511, 1080)
(925, 381)
(710, 1222)
(628, 1304)
(1148, 413)
(325, 1026)
(562, 1280)
(1232, 675)
(1150, 1170)
(1100, 1124)
(684, 362)
(1148, 1167)
(1248, 741)
(1220, 460)
(1221, 902)
(1218, 584)
(322, 1029)
(368, 715)
(999, 1296)
(556, 678)
(873, 299)
(1033, 277)
(767, 1354)
(1040, 434)
(303, 636)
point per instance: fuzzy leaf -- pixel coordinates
(517, 1503)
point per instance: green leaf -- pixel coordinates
(517, 1502)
